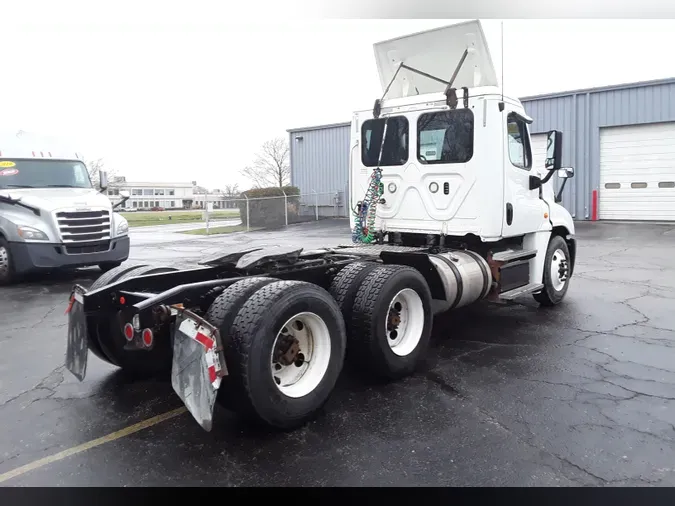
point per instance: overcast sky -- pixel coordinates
(194, 102)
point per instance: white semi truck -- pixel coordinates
(51, 217)
(449, 208)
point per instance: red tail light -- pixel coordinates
(147, 337)
(129, 332)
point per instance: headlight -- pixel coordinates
(433, 187)
(123, 228)
(32, 234)
(391, 187)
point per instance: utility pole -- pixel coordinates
(206, 209)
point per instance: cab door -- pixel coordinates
(523, 208)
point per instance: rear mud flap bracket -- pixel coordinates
(198, 366)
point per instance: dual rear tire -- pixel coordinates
(285, 342)
(284, 345)
(388, 310)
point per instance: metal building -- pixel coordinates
(619, 139)
(319, 158)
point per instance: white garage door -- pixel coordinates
(637, 173)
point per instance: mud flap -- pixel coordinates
(77, 349)
(197, 367)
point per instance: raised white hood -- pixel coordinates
(436, 52)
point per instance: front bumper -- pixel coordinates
(28, 257)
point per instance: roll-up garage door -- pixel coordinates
(637, 173)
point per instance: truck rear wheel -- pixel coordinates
(221, 314)
(391, 322)
(156, 361)
(346, 285)
(556, 277)
(288, 349)
(92, 321)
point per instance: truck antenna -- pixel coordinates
(502, 60)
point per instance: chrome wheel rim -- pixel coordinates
(404, 322)
(559, 270)
(300, 354)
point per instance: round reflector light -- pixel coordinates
(147, 337)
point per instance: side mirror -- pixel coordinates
(103, 179)
(554, 150)
(566, 172)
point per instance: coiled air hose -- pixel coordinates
(366, 211)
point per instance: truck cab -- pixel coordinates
(51, 216)
(445, 158)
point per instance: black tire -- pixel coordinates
(369, 345)
(221, 314)
(254, 332)
(549, 296)
(113, 275)
(93, 322)
(346, 285)
(7, 270)
(107, 266)
(141, 363)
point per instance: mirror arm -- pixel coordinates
(124, 199)
(537, 182)
(558, 198)
(548, 176)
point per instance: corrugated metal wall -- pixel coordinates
(320, 163)
(581, 114)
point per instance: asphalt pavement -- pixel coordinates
(579, 394)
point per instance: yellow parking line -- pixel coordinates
(91, 444)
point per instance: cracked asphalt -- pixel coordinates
(580, 394)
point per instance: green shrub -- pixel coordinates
(269, 212)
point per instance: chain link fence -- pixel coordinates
(256, 213)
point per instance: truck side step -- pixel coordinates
(510, 255)
(522, 290)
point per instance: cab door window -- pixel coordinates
(520, 151)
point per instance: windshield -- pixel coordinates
(18, 173)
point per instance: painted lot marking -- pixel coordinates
(91, 444)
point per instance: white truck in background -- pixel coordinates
(51, 216)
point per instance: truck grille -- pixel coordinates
(84, 226)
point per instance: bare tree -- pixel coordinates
(231, 190)
(271, 165)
